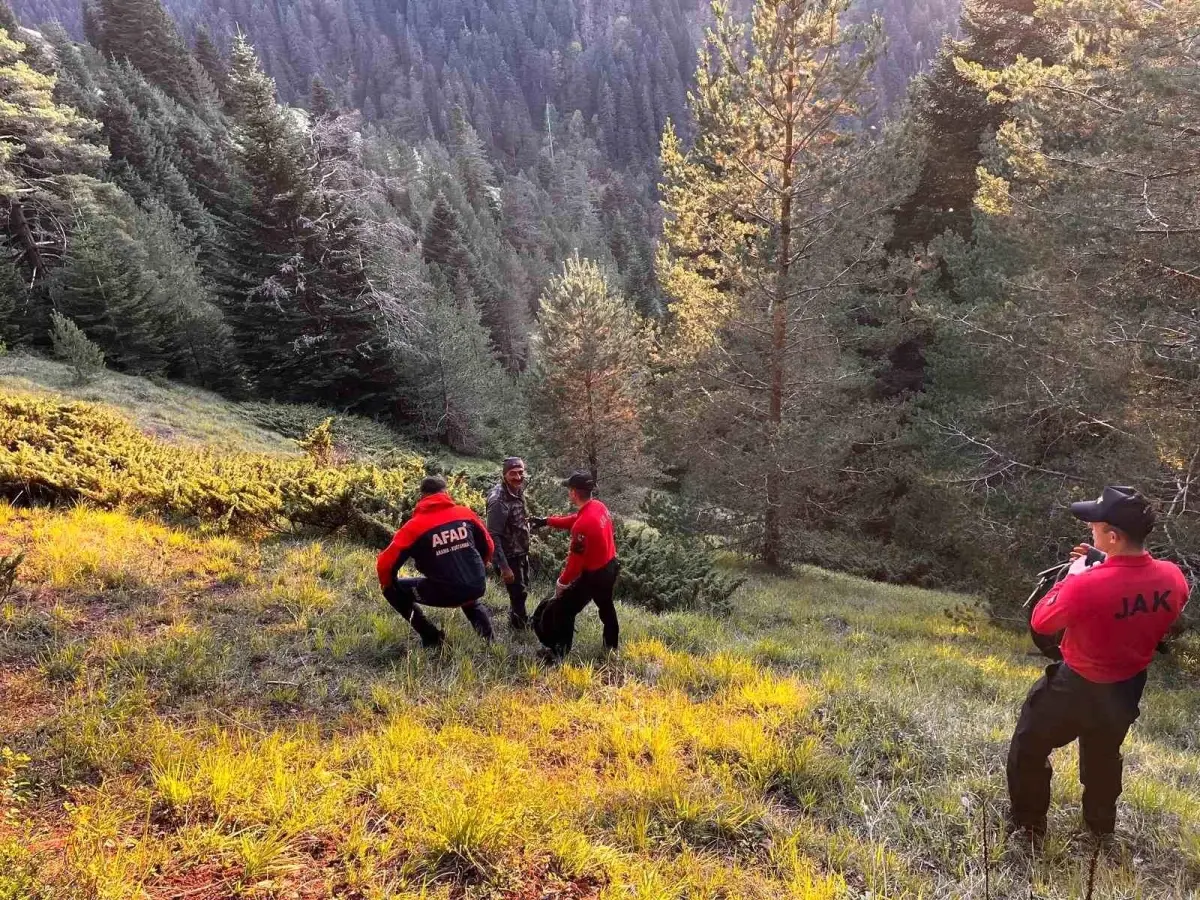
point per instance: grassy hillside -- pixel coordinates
(188, 713)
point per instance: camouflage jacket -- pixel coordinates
(508, 523)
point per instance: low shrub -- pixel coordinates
(57, 452)
(668, 574)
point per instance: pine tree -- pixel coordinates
(43, 141)
(322, 102)
(303, 261)
(470, 158)
(766, 216)
(442, 244)
(592, 351)
(104, 287)
(958, 116)
(72, 345)
(14, 296)
(199, 342)
(1072, 347)
(209, 58)
(463, 395)
(142, 32)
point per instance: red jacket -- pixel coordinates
(1114, 613)
(592, 543)
(446, 542)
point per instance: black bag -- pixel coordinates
(551, 621)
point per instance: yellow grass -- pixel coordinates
(238, 719)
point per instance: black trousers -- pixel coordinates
(406, 593)
(1061, 707)
(518, 591)
(591, 587)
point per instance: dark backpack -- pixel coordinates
(552, 622)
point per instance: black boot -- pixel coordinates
(433, 640)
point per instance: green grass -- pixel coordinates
(200, 715)
(166, 410)
(250, 719)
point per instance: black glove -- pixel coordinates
(537, 522)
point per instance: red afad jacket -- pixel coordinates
(1114, 613)
(446, 542)
(592, 543)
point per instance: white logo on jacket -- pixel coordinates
(448, 535)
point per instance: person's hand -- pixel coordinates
(1081, 550)
(559, 590)
(537, 522)
(507, 574)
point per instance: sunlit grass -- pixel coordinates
(254, 720)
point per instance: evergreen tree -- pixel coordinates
(105, 289)
(13, 298)
(141, 32)
(958, 117)
(303, 278)
(766, 216)
(42, 143)
(209, 58)
(463, 395)
(322, 102)
(592, 351)
(442, 244)
(1072, 350)
(200, 344)
(72, 345)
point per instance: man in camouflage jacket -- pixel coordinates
(508, 524)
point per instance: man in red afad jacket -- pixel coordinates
(451, 548)
(591, 570)
(1114, 615)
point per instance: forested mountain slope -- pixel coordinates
(625, 64)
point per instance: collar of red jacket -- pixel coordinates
(1140, 559)
(432, 502)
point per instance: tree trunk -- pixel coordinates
(19, 226)
(773, 530)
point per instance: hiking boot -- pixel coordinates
(1026, 834)
(1101, 830)
(434, 641)
(548, 656)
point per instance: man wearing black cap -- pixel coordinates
(508, 522)
(1113, 615)
(591, 570)
(451, 549)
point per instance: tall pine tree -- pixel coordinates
(767, 217)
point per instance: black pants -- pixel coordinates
(1061, 707)
(591, 587)
(406, 593)
(518, 591)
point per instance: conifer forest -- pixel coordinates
(875, 286)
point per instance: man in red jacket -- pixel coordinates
(591, 570)
(1114, 615)
(451, 548)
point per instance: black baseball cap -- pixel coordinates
(581, 480)
(1120, 506)
(513, 462)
